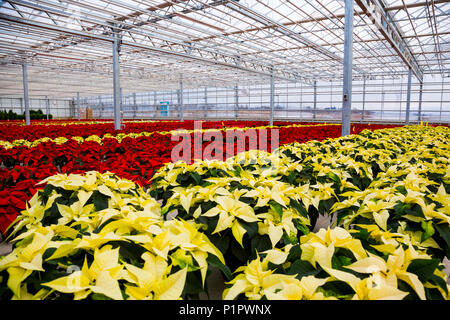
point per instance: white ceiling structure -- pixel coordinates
(67, 45)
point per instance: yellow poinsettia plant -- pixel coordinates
(333, 264)
(389, 178)
(96, 236)
(244, 210)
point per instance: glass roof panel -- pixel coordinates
(207, 40)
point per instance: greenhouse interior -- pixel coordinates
(224, 150)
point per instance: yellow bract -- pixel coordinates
(132, 218)
(257, 281)
(319, 247)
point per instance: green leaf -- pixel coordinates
(444, 232)
(277, 208)
(290, 239)
(299, 207)
(302, 228)
(250, 227)
(222, 242)
(99, 296)
(401, 189)
(260, 243)
(403, 286)
(48, 190)
(423, 268)
(439, 281)
(197, 178)
(433, 294)
(292, 177)
(132, 252)
(295, 253)
(334, 177)
(239, 252)
(362, 234)
(345, 261)
(428, 229)
(100, 200)
(212, 260)
(302, 268)
(193, 285)
(338, 289)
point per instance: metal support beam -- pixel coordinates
(364, 99)
(156, 106)
(181, 100)
(347, 81)
(121, 105)
(282, 29)
(442, 98)
(383, 93)
(236, 101)
(315, 100)
(205, 108)
(408, 97)
(26, 98)
(47, 106)
(272, 99)
(102, 106)
(190, 50)
(134, 105)
(72, 108)
(391, 32)
(78, 106)
(420, 101)
(116, 81)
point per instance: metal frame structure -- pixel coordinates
(72, 46)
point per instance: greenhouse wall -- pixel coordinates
(378, 100)
(58, 108)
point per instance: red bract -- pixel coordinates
(13, 130)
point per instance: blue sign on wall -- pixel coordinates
(164, 107)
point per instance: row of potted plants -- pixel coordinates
(97, 236)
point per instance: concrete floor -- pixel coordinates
(5, 248)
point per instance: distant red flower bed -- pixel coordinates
(13, 130)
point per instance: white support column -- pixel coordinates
(181, 100)
(348, 56)
(134, 105)
(382, 98)
(26, 98)
(116, 80)
(442, 98)
(315, 100)
(408, 97)
(156, 106)
(122, 103)
(101, 105)
(272, 98)
(78, 106)
(401, 98)
(364, 99)
(47, 106)
(205, 108)
(236, 101)
(420, 101)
